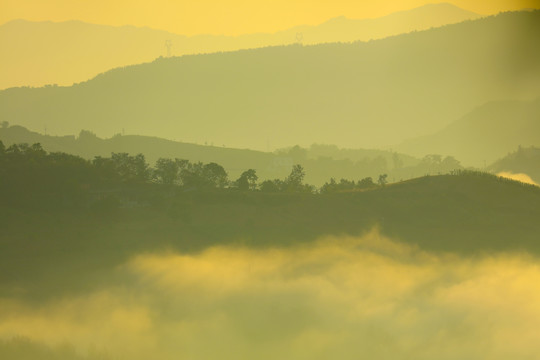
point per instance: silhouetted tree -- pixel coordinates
(216, 175)
(247, 181)
(431, 162)
(295, 178)
(329, 187)
(382, 179)
(87, 136)
(449, 163)
(365, 183)
(202, 175)
(275, 185)
(191, 174)
(333, 186)
(166, 171)
(131, 168)
(105, 169)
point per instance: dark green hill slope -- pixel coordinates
(467, 214)
(352, 95)
(485, 134)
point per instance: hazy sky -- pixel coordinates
(230, 17)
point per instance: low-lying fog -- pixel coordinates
(341, 298)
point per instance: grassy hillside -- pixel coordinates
(485, 134)
(64, 48)
(352, 95)
(468, 213)
(526, 160)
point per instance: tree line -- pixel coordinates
(30, 168)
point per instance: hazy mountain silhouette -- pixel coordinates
(352, 95)
(485, 134)
(74, 51)
(346, 30)
(525, 160)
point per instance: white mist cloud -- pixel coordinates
(341, 298)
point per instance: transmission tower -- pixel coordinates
(168, 45)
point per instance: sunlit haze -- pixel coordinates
(269, 180)
(233, 17)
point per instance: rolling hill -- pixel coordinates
(485, 134)
(467, 214)
(320, 161)
(64, 49)
(359, 95)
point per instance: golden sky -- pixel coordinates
(231, 17)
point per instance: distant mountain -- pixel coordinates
(525, 160)
(73, 51)
(359, 95)
(485, 134)
(342, 29)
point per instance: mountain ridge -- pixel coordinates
(358, 95)
(65, 46)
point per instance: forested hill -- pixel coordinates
(318, 160)
(466, 213)
(352, 95)
(485, 134)
(105, 211)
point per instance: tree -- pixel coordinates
(130, 168)
(295, 178)
(449, 163)
(345, 184)
(365, 183)
(166, 171)
(382, 180)
(216, 175)
(272, 185)
(5, 124)
(329, 187)
(87, 136)
(247, 181)
(191, 174)
(201, 175)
